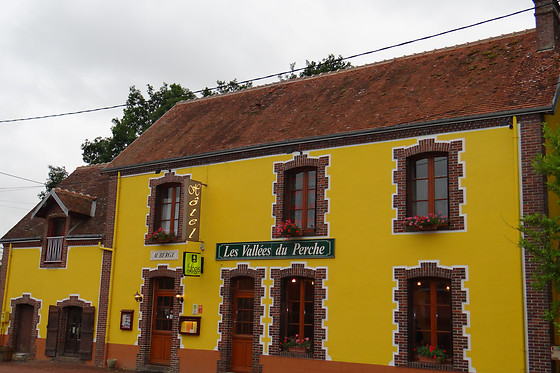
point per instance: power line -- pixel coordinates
(294, 70)
(11, 189)
(63, 114)
(21, 178)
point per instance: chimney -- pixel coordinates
(547, 14)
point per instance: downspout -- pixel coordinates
(6, 292)
(519, 212)
(112, 271)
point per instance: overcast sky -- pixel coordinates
(64, 56)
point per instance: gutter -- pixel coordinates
(82, 237)
(111, 270)
(20, 240)
(338, 136)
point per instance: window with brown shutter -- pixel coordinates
(52, 331)
(87, 327)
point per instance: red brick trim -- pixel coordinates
(322, 204)
(12, 330)
(455, 173)
(539, 331)
(461, 342)
(226, 311)
(102, 311)
(146, 311)
(318, 275)
(72, 301)
(168, 178)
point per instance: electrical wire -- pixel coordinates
(21, 178)
(294, 70)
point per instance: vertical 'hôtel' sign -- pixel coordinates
(192, 220)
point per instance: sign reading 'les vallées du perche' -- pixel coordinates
(321, 248)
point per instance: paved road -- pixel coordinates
(42, 366)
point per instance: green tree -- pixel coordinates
(541, 233)
(331, 63)
(55, 177)
(224, 87)
(139, 114)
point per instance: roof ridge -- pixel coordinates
(79, 194)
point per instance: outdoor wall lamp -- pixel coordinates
(138, 297)
(179, 297)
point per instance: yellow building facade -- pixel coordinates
(357, 221)
(359, 279)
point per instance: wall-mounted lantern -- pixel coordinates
(138, 297)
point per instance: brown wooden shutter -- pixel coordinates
(52, 331)
(86, 342)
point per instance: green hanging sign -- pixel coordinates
(193, 264)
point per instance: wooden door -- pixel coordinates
(24, 321)
(242, 334)
(162, 320)
(73, 331)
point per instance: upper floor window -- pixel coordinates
(428, 180)
(168, 207)
(301, 196)
(428, 185)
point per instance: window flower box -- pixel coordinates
(160, 236)
(430, 222)
(297, 350)
(296, 344)
(431, 354)
(288, 229)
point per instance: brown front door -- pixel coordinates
(242, 341)
(160, 348)
(73, 331)
(24, 319)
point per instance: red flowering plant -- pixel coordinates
(160, 235)
(303, 343)
(434, 352)
(288, 228)
(428, 221)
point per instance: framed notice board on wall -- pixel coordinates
(189, 325)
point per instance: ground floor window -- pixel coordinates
(298, 305)
(430, 315)
(298, 311)
(430, 311)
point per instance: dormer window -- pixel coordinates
(55, 240)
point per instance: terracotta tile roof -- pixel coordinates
(77, 192)
(495, 75)
(68, 201)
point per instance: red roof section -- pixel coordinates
(494, 75)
